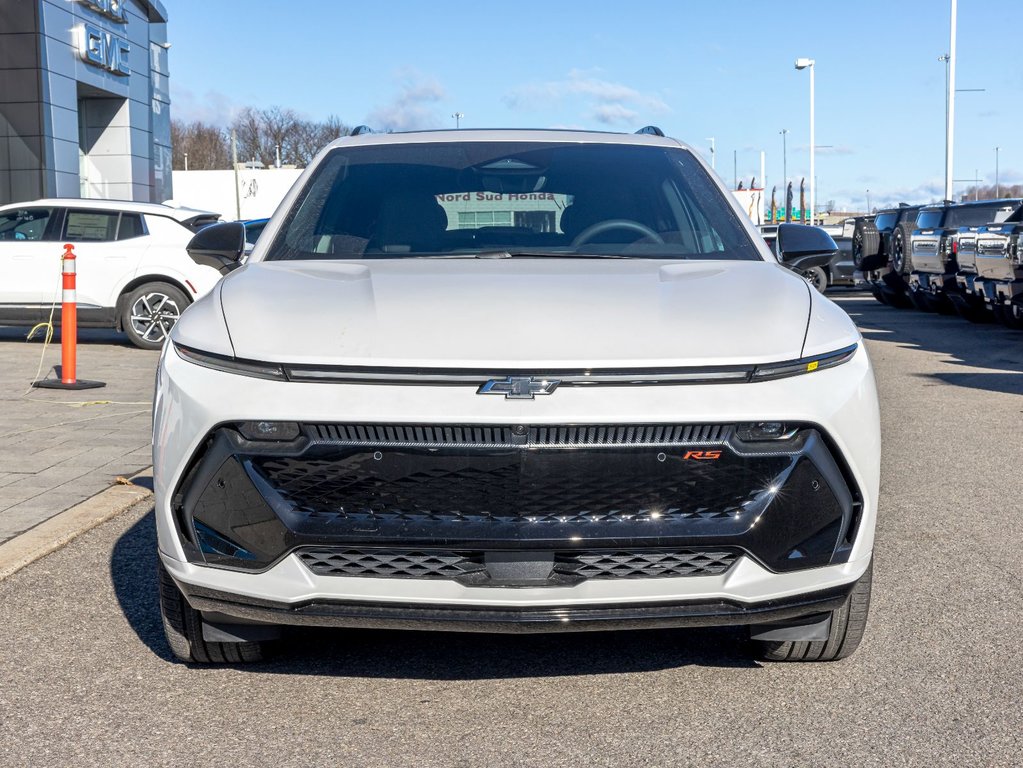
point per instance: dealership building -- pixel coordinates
(84, 100)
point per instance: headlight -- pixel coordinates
(804, 365)
(231, 364)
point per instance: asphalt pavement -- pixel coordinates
(86, 679)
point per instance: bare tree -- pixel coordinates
(259, 132)
(310, 137)
(248, 128)
(205, 145)
(988, 192)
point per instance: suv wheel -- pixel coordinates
(1011, 316)
(182, 626)
(149, 312)
(866, 242)
(847, 626)
(817, 277)
(902, 259)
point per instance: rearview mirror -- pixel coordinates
(801, 247)
(219, 246)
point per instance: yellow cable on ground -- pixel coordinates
(49, 334)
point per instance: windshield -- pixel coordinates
(930, 219)
(511, 198)
(884, 221)
(977, 215)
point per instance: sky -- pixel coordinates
(721, 69)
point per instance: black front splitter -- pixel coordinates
(514, 620)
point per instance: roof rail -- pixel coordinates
(360, 130)
(651, 130)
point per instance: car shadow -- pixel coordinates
(86, 336)
(992, 347)
(431, 655)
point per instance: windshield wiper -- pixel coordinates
(507, 254)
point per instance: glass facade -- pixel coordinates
(84, 100)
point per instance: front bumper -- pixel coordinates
(801, 608)
(192, 401)
(933, 284)
(517, 506)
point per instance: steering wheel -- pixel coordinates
(604, 226)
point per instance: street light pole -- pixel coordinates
(803, 64)
(713, 153)
(868, 202)
(997, 187)
(458, 119)
(950, 117)
(784, 158)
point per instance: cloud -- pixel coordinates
(929, 191)
(413, 106)
(602, 100)
(613, 113)
(211, 107)
(838, 149)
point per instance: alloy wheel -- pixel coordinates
(153, 315)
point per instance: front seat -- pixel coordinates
(408, 223)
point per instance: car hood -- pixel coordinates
(516, 313)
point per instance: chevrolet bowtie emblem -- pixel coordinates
(518, 387)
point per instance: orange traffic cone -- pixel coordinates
(66, 371)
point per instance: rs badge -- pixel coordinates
(702, 455)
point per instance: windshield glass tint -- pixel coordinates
(929, 219)
(463, 198)
(975, 215)
(884, 221)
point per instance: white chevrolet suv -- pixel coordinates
(133, 272)
(514, 381)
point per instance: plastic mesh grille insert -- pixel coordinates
(557, 487)
(391, 563)
(451, 564)
(645, 564)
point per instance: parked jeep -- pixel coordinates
(879, 240)
(934, 248)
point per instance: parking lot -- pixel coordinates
(88, 680)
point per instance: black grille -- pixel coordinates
(470, 566)
(644, 564)
(391, 563)
(550, 436)
(516, 486)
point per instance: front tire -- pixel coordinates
(817, 277)
(182, 625)
(1011, 316)
(847, 626)
(149, 312)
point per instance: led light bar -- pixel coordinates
(804, 365)
(446, 377)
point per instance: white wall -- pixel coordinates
(260, 190)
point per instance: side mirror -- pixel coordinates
(219, 246)
(801, 247)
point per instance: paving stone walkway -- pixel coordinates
(59, 447)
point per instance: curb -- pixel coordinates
(61, 529)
